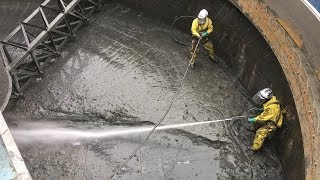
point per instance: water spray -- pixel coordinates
(65, 134)
(119, 167)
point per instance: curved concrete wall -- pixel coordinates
(284, 67)
(301, 76)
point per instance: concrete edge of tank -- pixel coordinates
(301, 77)
(13, 153)
(17, 162)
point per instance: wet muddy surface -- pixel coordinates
(123, 69)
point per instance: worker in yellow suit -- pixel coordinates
(201, 29)
(269, 120)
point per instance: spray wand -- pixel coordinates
(174, 126)
(158, 127)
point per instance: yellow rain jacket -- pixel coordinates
(196, 28)
(271, 112)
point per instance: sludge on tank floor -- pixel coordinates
(122, 69)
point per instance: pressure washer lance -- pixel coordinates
(175, 126)
(120, 166)
(194, 53)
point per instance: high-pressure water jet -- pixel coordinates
(44, 134)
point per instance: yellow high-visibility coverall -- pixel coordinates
(196, 30)
(268, 120)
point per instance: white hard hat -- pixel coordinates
(266, 93)
(203, 14)
(262, 96)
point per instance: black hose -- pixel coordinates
(234, 83)
(174, 21)
(119, 167)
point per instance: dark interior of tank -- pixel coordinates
(122, 70)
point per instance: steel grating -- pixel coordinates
(39, 38)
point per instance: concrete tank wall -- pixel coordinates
(284, 66)
(256, 64)
(298, 66)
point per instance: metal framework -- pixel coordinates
(39, 38)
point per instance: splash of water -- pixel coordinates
(69, 134)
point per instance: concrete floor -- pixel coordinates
(122, 70)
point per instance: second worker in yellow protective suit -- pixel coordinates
(201, 28)
(269, 120)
